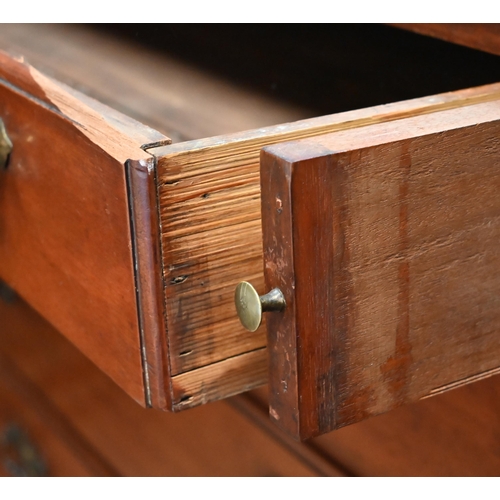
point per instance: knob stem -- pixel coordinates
(273, 301)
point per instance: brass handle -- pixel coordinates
(18, 454)
(5, 146)
(250, 306)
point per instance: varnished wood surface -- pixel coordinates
(145, 243)
(213, 440)
(384, 243)
(65, 238)
(60, 450)
(452, 434)
(209, 201)
(481, 36)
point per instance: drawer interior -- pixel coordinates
(172, 77)
(324, 69)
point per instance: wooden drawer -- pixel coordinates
(132, 247)
(383, 241)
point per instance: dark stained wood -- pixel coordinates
(484, 36)
(452, 434)
(61, 451)
(213, 440)
(383, 240)
(65, 237)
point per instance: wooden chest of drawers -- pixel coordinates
(131, 247)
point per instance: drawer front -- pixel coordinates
(384, 242)
(66, 232)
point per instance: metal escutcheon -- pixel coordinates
(5, 145)
(250, 306)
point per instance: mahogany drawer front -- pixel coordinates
(138, 260)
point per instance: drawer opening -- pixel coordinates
(322, 69)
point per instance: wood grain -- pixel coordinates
(451, 434)
(220, 380)
(212, 440)
(386, 257)
(484, 36)
(169, 95)
(65, 237)
(145, 235)
(188, 103)
(60, 448)
(178, 99)
(209, 202)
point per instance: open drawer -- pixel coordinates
(132, 247)
(383, 241)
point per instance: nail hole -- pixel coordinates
(178, 279)
(279, 205)
(205, 195)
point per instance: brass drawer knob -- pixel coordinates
(250, 306)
